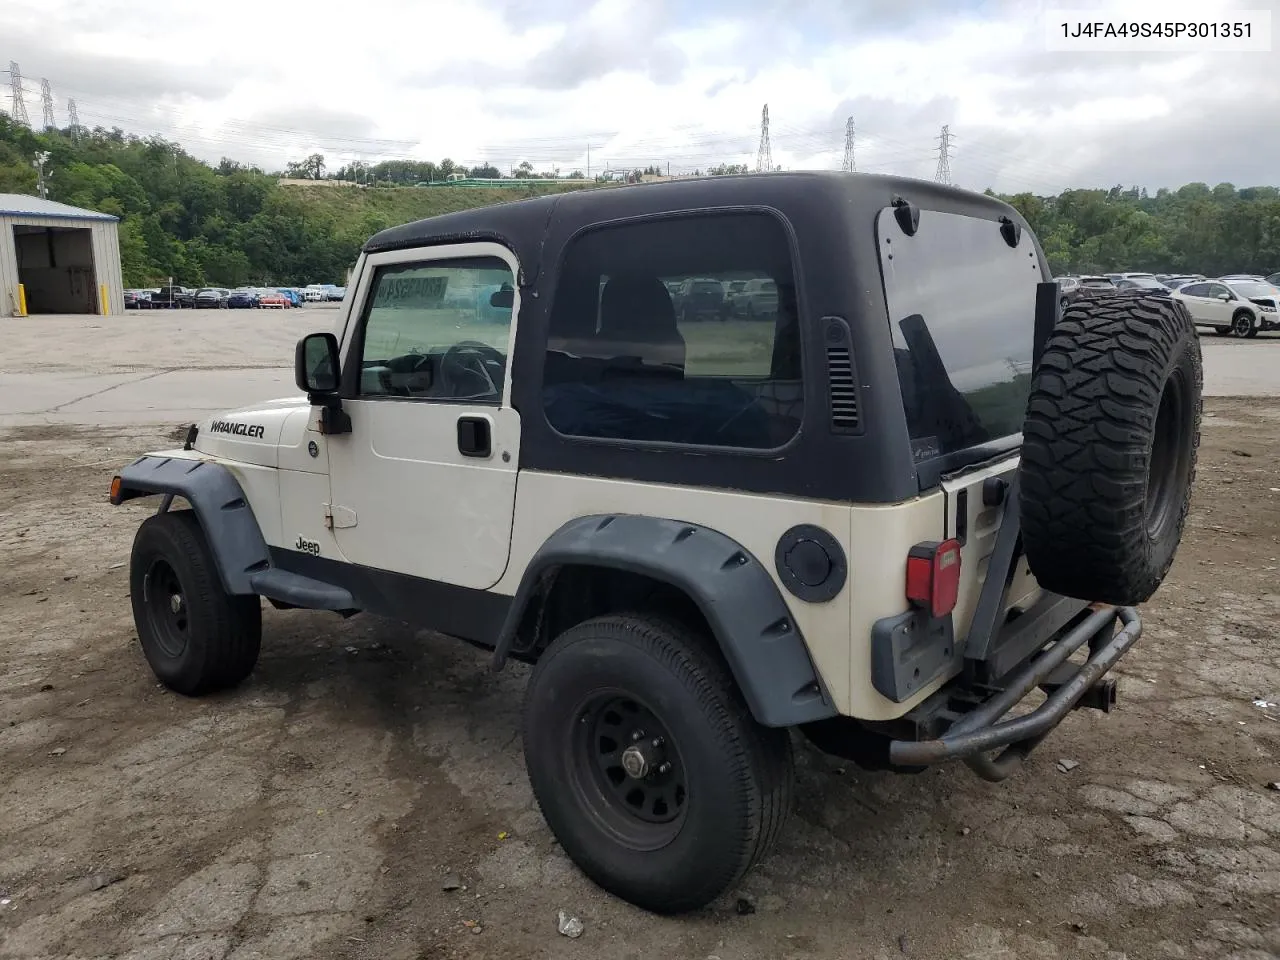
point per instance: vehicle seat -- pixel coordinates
(638, 320)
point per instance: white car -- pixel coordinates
(1239, 308)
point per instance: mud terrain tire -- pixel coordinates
(1109, 448)
(197, 638)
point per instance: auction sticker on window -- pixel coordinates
(1115, 29)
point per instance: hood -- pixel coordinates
(249, 434)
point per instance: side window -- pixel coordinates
(438, 330)
(683, 330)
(1217, 290)
(1195, 289)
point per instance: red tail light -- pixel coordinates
(933, 576)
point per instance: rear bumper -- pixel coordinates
(980, 730)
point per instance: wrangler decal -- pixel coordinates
(253, 430)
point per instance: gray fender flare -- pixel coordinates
(739, 599)
(219, 504)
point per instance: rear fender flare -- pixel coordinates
(734, 591)
(220, 505)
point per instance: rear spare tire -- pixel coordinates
(1109, 448)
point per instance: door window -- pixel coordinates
(438, 330)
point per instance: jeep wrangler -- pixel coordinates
(912, 495)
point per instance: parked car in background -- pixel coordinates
(699, 298)
(295, 297)
(1181, 280)
(732, 290)
(137, 299)
(272, 299)
(175, 297)
(211, 298)
(1239, 308)
(242, 299)
(1084, 286)
(314, 293)
(759, 298)
(1274, 279)
(1146, 283)
(337, 294)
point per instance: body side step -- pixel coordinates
(300, 591)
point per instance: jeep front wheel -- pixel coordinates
(647, 764)
(196, 637)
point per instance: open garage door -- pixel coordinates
(56, 269)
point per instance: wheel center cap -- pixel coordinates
(635, 763)
(175, 603)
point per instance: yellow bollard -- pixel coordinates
(22, 300)
(102, 295)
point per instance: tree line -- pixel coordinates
(230, 224)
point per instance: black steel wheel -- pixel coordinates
(166, 606)
(626, 770)
(647, 764)
(196, 637)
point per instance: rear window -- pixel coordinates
(962, 315)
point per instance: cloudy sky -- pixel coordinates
(678, 82)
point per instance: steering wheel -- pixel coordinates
(403, 368)
(468, 361)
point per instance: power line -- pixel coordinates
(944, 156)
(17, 106)
(849, 165)
(46, 100)
(764, 155)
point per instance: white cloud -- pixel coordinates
(641, 81)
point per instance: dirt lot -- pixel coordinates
(319, 810)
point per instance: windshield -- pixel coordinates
(1148, 283)
(962, 306)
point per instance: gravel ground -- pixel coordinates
(363, 795)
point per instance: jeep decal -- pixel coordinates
(253, 430)
(307, 546)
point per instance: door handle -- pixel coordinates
(474, 437)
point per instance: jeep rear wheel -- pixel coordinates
(647, 764)
(196, 637)
(1109, 448)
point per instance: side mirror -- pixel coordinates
(315, 364)
(1224, 296)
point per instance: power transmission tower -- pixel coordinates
(944, 156)
(46, 100)
(17, 106)
(849, 165)
(74, 118)
(764, 155)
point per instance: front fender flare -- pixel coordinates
(220, 505)
(739, 599)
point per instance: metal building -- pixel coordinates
(55, 258)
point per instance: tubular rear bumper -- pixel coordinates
(981, 730)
